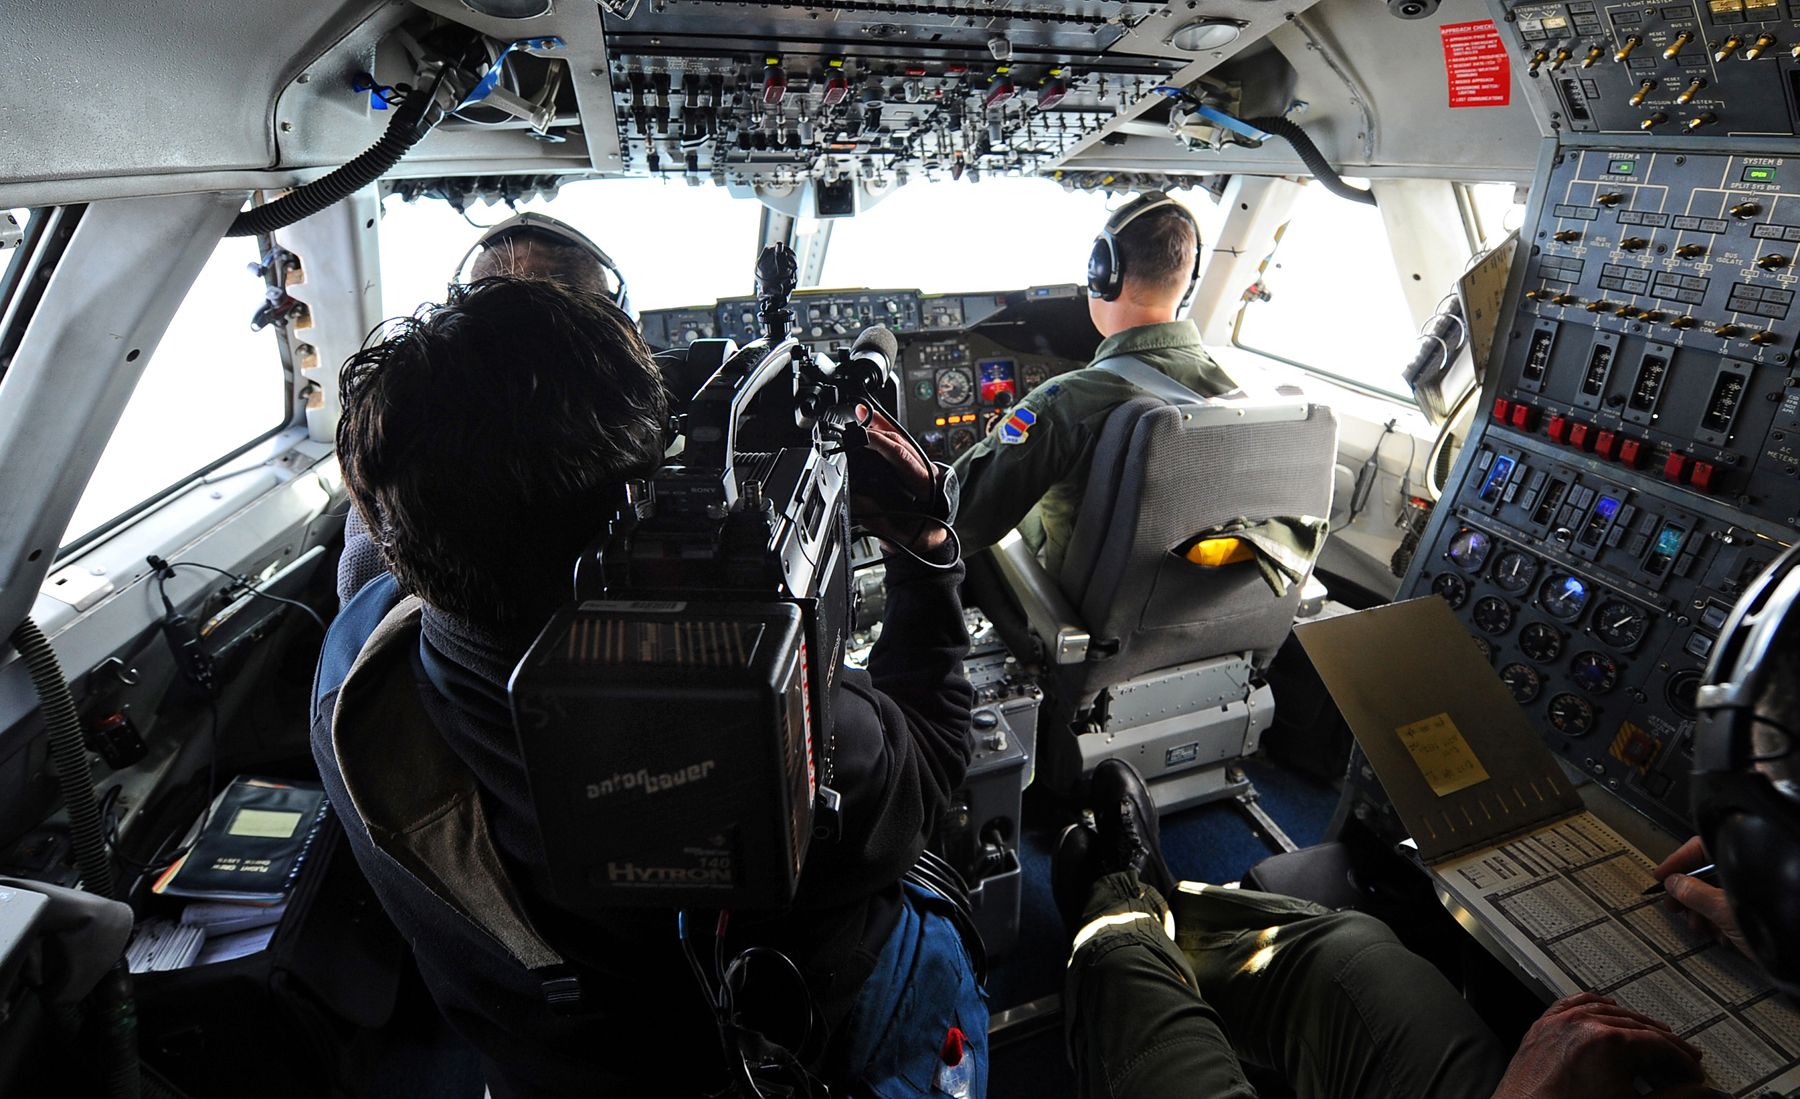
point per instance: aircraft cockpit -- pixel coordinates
(981, 548)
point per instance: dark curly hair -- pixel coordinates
(483, 441)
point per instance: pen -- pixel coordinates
(1708, 874)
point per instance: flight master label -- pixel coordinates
(1475, 65)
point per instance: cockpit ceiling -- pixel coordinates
(759, 95)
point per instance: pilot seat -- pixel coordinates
(1145, 653)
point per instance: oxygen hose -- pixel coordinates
(1311, 157)
(112, 1003)
(412, 121)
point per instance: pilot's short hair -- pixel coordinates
(484, 441)
(1156, 250)
(534, 254)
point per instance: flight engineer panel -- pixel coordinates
(1640, 460)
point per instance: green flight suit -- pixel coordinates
(1031, 470)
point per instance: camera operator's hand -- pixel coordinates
(1705, 905)
(1588, 1047)
(879, 494)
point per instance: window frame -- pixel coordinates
(1357, 384)
(199, 478)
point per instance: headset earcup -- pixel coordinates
(1103, 269)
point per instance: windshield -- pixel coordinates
(999, 234)
(677, 245)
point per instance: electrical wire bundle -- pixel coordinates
(760, 1068)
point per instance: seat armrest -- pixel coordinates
(1052, 617)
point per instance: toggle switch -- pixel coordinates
(1610, 198)
(1728, 47)
(1759, 47)
(1642, 93)
(1699, 121)
(1763, 337)
(1634, 244)
(1566, 235)
(1536, 295)
(1652, 316)
(1629, 45)
(1683, 322)
(1693, 89)
(1690, 251)
(1744, 211)
(1655, 120)
(1599, 306)
(1675, 47)
(1595, 53)
(1774, 261)
(1565, 299)
(1561, 58)
(1728, 331)
(1537, 62)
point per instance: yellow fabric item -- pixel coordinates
(1214, 553)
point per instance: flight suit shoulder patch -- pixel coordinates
(1017, 426)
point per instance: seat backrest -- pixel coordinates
(1163, 474)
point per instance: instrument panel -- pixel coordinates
(778, 96)
(964, 358)
(1639, 459)
(1702, 68)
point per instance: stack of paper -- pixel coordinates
(158, 945)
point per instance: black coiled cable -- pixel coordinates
(1311, 157)
(411, 122)
(112, 1004)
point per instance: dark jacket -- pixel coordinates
(442, 827)
(1031, 470)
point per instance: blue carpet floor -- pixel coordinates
(1211, 843)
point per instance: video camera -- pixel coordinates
(675, 719)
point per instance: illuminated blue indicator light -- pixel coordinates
(1574, 590)
(1668, 542)
(1496, 479)
(1607, 507)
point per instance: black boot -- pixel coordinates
(1074, 867)
(1125, 823)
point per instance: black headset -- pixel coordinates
(559, 230)
(1747, 809)
(1106, 268)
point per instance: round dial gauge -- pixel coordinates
(1594, 672)
(1571, 714)
(1034, 377)
(1540, 642)
(1522, 680)
(961, 439)
(1620, 624)
(1514, 571)
(1453, 588)
(1469, 549)
(1564, 596)
(1487, 650)
(1492, 615)
(955, 387)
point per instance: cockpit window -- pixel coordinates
(213, 387)
(677, 245)
(997, 234)
(1329, 298)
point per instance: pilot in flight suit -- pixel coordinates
(1031, 470)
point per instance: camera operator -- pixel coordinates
(484, 443)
